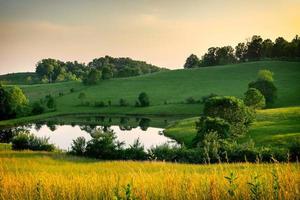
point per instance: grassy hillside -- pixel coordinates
(18, 78)
(274, 127)
(40, 175)
(167, 90)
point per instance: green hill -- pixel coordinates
(18, 78)
(168, 90)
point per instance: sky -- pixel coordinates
(160, 32)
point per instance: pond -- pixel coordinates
(61, 131)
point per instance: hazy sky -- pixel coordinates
(161, 32)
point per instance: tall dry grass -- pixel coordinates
(31, 175)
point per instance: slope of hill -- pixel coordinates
(273, 127)
(18, 78)
(168, 90)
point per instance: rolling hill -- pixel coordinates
(168, 90)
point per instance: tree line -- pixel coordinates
(51, 70)
(254, 49)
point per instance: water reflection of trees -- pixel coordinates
(144, 124)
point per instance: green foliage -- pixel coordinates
(13, 102)
(192, 62)
(122, 67)
(211, 145)
(266, 75)
(232, 110)
(232, 185)
(143, 99)
(92, 77)
(99, 104)
(135, 151)
(103, 145)
(50, 102)
(78, 146)
(191, 100)
(5, 110)
(253, 50)
(255, 188)
(254, 99)
(37, 108)
(27, 141)
(107, 73)
(294, 150)
(82, 97)
(17, 100)
(207, 125)
(266, 86)
(123, 102)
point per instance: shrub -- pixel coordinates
(29, 141)
(78, 146)
(123, 103)
(82, 97)
(265, 84)
(265, 74)
(191, 100)
(103, 145)
(143, 100)
(232, 110)
(294, 150)
(254, 99)
(99, 104)
(60, 94)
(206, 125)
(50, 102)
(72, 90)
(37, 108)
(135, 152)
(211, 146)
(267, 89)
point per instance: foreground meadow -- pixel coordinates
(39, 175)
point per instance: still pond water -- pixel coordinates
(62, 131)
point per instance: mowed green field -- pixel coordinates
(273, 127)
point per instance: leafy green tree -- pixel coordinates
(82, 97)
(143, 99)
(266, 86)
(17, 100)
(232, 110)
(225, 55)
(92, 77)
(50, 102)
(103, 145)
(49, 68)
(107, 73)
(5, 110)
(280, 47)
(254, 48)
(206, 125)
(37, 108)
(192, 62)
(78, 146)
(209, 58)
(241, 51)
(266, 48)
(254, 98)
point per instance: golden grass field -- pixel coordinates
(40, 175)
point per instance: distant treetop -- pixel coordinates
(255, 49)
